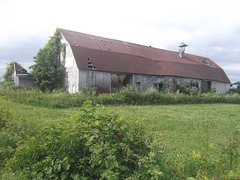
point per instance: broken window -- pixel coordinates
(155, 86)
(120, 80)
(209, 84)
(90, 64)
(138, 84)
(159, 86)
(206, 85)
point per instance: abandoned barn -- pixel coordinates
(106, 65)
(21, 77)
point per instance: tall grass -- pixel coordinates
(197, 141)
(92, 144)
(128, 96)
(200, 141)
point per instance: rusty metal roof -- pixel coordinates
(123, 57)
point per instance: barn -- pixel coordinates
(107, 65)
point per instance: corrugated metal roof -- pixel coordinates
(122, 57)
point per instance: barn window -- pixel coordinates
(161, 86)
(138, 84)
(158, 86)
(155, 86)
(209, 84)
(90, 64)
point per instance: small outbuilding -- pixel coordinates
(106, 65)
(21, 77)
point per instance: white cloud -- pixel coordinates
(233, 67)
(210, 28)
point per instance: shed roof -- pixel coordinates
(19, 69)
(123, 57)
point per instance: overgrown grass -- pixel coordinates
(127, 96)
(199, 141)
(92, 144)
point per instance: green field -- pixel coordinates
(209, 130)
(199, 141)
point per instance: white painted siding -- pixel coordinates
(221, 87)
(72, 71)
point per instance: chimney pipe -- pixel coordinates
(181, 49)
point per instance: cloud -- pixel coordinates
(21, 50)
(210, 28)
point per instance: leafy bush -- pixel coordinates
(4, 116)
(93, 144)
(236, 89)
(186, 90)
(8, 75)
(12, 132)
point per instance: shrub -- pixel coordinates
(128, 95)
(93, 144)
(235, 87)
(4, 116)
(12, 133)
(186, 90)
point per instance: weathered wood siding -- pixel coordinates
(221, 87)
(24, 80)
(100, 81)
(146, 82)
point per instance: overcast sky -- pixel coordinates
(211, 28)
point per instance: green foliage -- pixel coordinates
(4, 116)
(231, 152)
(129, 95)
(48, 72)
(88, 91)
(12, 132)
(196, 141)
(199, 141)
(7, 77)
(93, 144)
(237, 89)
(185, 90)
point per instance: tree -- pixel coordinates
(7, 77)
(237, 88)
(48, 73)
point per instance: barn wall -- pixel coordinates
(100, 81)
(72, 77)
(24, 80)
(145, 82)
(119, 80)
(71, 81)
(221, 87)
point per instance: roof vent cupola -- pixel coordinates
(182, 49)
